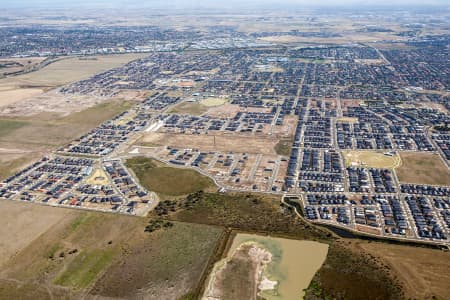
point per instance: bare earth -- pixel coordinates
(235, 143)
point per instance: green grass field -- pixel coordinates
(371, 159)
(85, 268)
(166, 180)
(284, 147)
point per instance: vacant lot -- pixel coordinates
(235, 143)
(166, 180)
(12, 95)
(48, 131)
(347, 120)
(423, 272)
(371, 159)
(423, 168)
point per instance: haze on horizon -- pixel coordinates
(230, 4)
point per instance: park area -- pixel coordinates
(371, 159)
(168, 181)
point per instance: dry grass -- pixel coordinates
(423, 168)
(284, 146)
(166, 264)
(14, 65)
(69, 70)
(11, 162)
(21, 223)
(45, 132)
(423, 272)
(113, 254)
(12, 95)
(64, 71)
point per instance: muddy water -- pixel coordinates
(293, 265)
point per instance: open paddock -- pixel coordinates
(21, 223)
(33, 84)
(13, 160)
(422, 271)
(423, 168)
(47, 131)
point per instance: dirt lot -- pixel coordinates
(423, 168)
(14, 95)
(224, 111)
(423, 272)
(235, 143)
(212, 102)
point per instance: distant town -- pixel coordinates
(328, 104)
